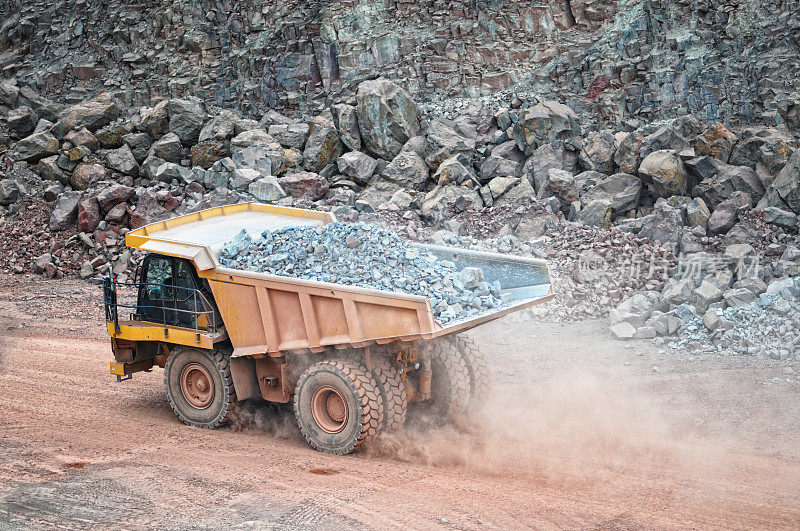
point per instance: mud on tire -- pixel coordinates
(477, 367)
(393, 392)
(348, 425)
(211, 373)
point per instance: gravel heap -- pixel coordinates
(769, 326)
(366, 256)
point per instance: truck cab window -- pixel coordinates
(159, 279)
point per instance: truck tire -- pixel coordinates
(199, 386)
(477, 367)
(393, 392)
(338, 406)
(450, 385)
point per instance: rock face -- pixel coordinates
(545, 123)
(387, 117)
(664, 173)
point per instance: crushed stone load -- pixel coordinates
(369, 257)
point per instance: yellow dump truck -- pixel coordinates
(352, 360)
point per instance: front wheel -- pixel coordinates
(338, 406)
(199, 386)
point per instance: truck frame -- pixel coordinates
(351, 360)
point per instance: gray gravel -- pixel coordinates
(366, 256)
(769, 327)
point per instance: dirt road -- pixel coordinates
(584, 431)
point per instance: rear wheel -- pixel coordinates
(199, 386)
(450, 385)
(338, 406)
(393, 392)
(477, 368)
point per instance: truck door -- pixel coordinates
(171, 293)
(156, 299)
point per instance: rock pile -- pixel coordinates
(369, 257)
(768, 326)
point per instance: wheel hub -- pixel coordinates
(197, 385)
(329, 409)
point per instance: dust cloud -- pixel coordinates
(579, 419)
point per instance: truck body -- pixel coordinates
(267, 328)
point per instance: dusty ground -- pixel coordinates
(583, 432)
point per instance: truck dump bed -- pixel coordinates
(266, 313)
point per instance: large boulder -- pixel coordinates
(252, 137)
(554, 155)
(35, 147)
(112, 135)
(66, 210)
(49, 170)
(598, 152)
(241, 178)
(725, 181)
(304, 184)
(787, 183)
(496, 166)
(544, 123)
(387, 117)
(440, 202)
(443, 141)
(597, 213)
(563, 186)
(666, 137)
(220, 127)
(21, 121)
(110, 196)
(621, 189)
(323, 146)
(726, 214)
(665, 224)
(266, 159)
(453, 170)
(139, 144)
(156, 120)
(46, 109)
(91, 114)
(168, 148)
(207, 153)
(123, 161)
(86, 174)
(346, 119)
(290, 135)
(11, 191)
(769, 146)
(716, 141)
(266, 189)
(408, 170)
(358, 166)
(627, 155)
(88, 214)
(166, 172)
(186, 118)
(664, 173)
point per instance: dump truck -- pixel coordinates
(352, 361)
